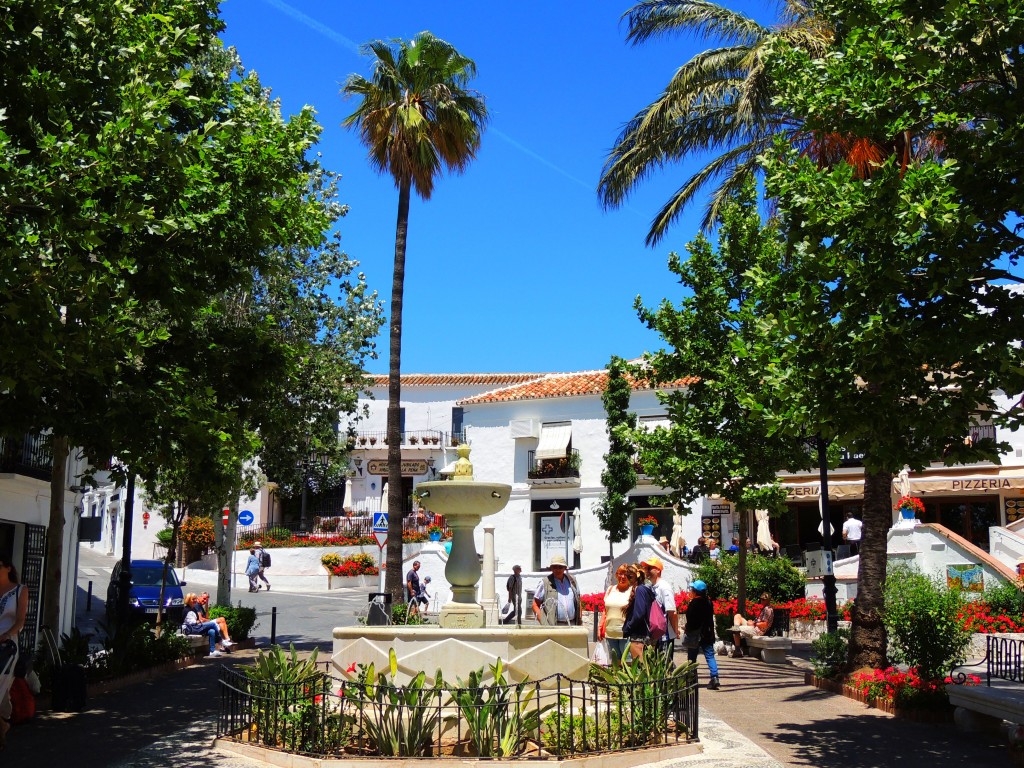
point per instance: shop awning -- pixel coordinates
(554, 440)
(966, 485)
(811, 491)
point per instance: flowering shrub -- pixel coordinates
(435, 529)
(647, 520)
(979, 617)
(906, 689)
(331, 560)
(814, 609)
(911, 503)
(356, 565)
(197, 532)
(286, 539)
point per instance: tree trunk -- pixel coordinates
(225, 554)
(393, 574)
(741, 565)
(55, 537)
(868, 639)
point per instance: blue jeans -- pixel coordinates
(210, 628)
(709, 656)
(617, 647)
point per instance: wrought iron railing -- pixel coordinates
(325, 527)
(557, 717)
(28, 455)
(1004, 660)
(567, 466)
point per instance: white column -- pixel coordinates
(487, 597)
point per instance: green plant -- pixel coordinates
(331, 560)
(921, 617)
(647, 520)
(1006, 598)
(719, 575)
(326, 524)
(399, 720)
(498, 713)
(580, 731)
(163, 537)
(435, 529)
(241, 619)
(275, 666)
(399, 615)
(645, 692)
(829, 652)
(775, 575)
(197, 532)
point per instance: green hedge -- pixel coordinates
(241, 620)
(775, 575)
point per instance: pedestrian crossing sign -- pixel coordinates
(380, 521)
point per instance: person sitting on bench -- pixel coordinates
(746, 628)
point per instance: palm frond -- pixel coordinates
(655, 18)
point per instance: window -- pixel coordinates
(457, 416)
(555, 439)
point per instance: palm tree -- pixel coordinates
(416, 117)
(719, 102)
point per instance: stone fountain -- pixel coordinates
(462, 642)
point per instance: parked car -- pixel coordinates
(144, 595)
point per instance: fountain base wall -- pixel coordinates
(535, 652)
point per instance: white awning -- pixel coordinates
(554, 440)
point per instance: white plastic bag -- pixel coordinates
(600, 655)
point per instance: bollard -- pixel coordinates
(596, 621)
(273, 626)
(88, 599)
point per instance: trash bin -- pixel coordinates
(379, 614)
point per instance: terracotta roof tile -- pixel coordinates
(456, 379)
(560, 385)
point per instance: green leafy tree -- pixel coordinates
(144, 174)
(881, 326)
(619, 476)
(717, 444)
(416, 117)
(721, 104)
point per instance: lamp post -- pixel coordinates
(307, 463)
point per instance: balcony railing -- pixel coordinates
(416, 438)
(28, 455)
(567, 466)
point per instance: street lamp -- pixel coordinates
(312, 461)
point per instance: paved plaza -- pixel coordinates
(764, 715)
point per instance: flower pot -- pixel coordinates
(906, 514)
(435, 536)
(647, 530)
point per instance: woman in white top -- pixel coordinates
(13, 608)
(615, 601)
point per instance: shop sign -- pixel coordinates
(410, 467)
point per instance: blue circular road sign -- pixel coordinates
(245, 517)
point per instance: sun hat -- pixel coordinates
(557, 560)
(655, 562)
(663, 540)
(258, 544)
(698, 586)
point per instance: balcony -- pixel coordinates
(28, 455)
(563, 471)
(418, 438)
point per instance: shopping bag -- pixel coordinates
(600, 655)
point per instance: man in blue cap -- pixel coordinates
(699, 633)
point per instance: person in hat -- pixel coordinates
(665, 544)
(666, 597)
(556, 601)
(264, 564)
(514, 585)
(699, 631)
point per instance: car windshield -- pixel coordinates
(150, 577)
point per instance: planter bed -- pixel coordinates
(918, 715)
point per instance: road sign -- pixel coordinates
(246, 517)
(380, 522)
(382, 538)
(227, 514)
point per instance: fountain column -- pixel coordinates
(488, 600)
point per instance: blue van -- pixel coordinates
(144, 595)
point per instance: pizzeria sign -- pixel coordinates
(410, 467)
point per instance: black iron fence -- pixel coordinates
(27, 455)
(1004, 660)
(424, 438)
(331, 528)
(557, 717)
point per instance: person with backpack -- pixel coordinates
(699, 631)
(252, 570)
(264, 558)
(645, 623)
(666, 597)
(556, 600)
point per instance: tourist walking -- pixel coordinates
(666, 597)
(252, 570)
(637, 628)
(699, 631)
(853, 530)
(700, 552)
(616, 600)
(514, 585)
(264, 557)
(556, 601)
(13, 610)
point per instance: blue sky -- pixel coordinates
(512, 266)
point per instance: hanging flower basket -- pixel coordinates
(909, 507)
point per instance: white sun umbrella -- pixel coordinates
(577, 528)
(903, 482)
(677, 542)
(764, 536)
(384, 497)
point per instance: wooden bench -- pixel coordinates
(770, 650)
